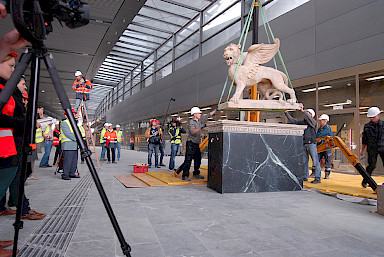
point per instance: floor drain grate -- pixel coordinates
(52, 237)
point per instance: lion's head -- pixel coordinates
(231, 54)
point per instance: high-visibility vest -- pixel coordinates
(177, 136)
(82, 130)
(56, 141)
(132, 141)
(7, 142)
(81, 88)
(119, 135)
(47, 131)
(63, 137)
(110, 137)
(102, 135)
(39, 136)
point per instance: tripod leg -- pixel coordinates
(83, 148)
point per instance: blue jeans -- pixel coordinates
(153, 148)
(47, 147)
(327, 159)
(78, 102)
(161, 148)
(174, 150)
(102, 155)
(311, 149)
(118, 147)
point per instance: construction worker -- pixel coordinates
(82, 87)
(102, 141)
(110, 138)
(193, 144)
(325, 130)
(39, 139)
(56, 141)
(69, 148)
(132, 143)
(120, 139)
(175, 132)
(309, 140)
(48, 143)
(153, 135)
(373, 140)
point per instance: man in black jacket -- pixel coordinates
(309, 140)
(373, 140)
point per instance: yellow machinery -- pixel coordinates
(352, 158)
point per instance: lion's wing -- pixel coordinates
(261, 53)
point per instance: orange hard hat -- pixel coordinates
(157, 121)
(73, 111)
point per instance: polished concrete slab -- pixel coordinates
(197, 221)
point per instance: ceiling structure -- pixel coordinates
(120, 35)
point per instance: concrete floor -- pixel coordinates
(197, 221)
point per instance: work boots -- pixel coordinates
(327, 174)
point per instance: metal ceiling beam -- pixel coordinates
(152, 28)
(166, 12)
(159, 20)
(118, 58)
(121, 44)
(145, 33)
(137, 38)
(123, 50)
(182, 5)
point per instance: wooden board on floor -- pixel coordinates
(149, 180)
(167, 177)
(130, 181)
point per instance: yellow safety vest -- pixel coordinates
(177, 136)
(63, 137)
(102, 136)
(38, 136)
(119, 135)
(82, 130)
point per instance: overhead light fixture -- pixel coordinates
(339, 104)
(206, 108)
(375, 78)
(174, 115)
(363, 107)
(43, 91)
(361, 113)
(314, 89)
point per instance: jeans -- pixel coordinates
(47, 147)
(372, 160)
(174, 150)
(192, 152)
(78, 102)
(118, 147)
(327, 159)
(70, 163)
(153, 148)
(109, 150)
(102, 155)
(311, 149)
(132, 146)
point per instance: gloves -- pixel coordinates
(203, 126)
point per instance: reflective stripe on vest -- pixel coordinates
(63, 137)
(178, 137)
(7, 142)
(56, 140)
(119, 135)
(102, 135)
(82, 130)
(132, 141)
(38, 136)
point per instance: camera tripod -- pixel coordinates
(33, 56)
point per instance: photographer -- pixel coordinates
(175, 132)
(82, 87)
(153, 135)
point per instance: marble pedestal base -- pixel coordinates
(255, 157)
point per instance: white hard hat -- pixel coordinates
(311, 111)
(110, 124)
(106, 124)
(373, 111)
(324, 117)
(78, 73)
(117, 126)
(195, 110)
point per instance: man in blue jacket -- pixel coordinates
(325, 130)
(309, 141)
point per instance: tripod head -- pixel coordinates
(33, 18)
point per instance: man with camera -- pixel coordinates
(82, 87)
(153, 135)
(175, 132)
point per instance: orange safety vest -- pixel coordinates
(131, 140)
(111, 137)
(81, 88)
(7, 142)
(56, 141)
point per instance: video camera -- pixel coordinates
(73, 13)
